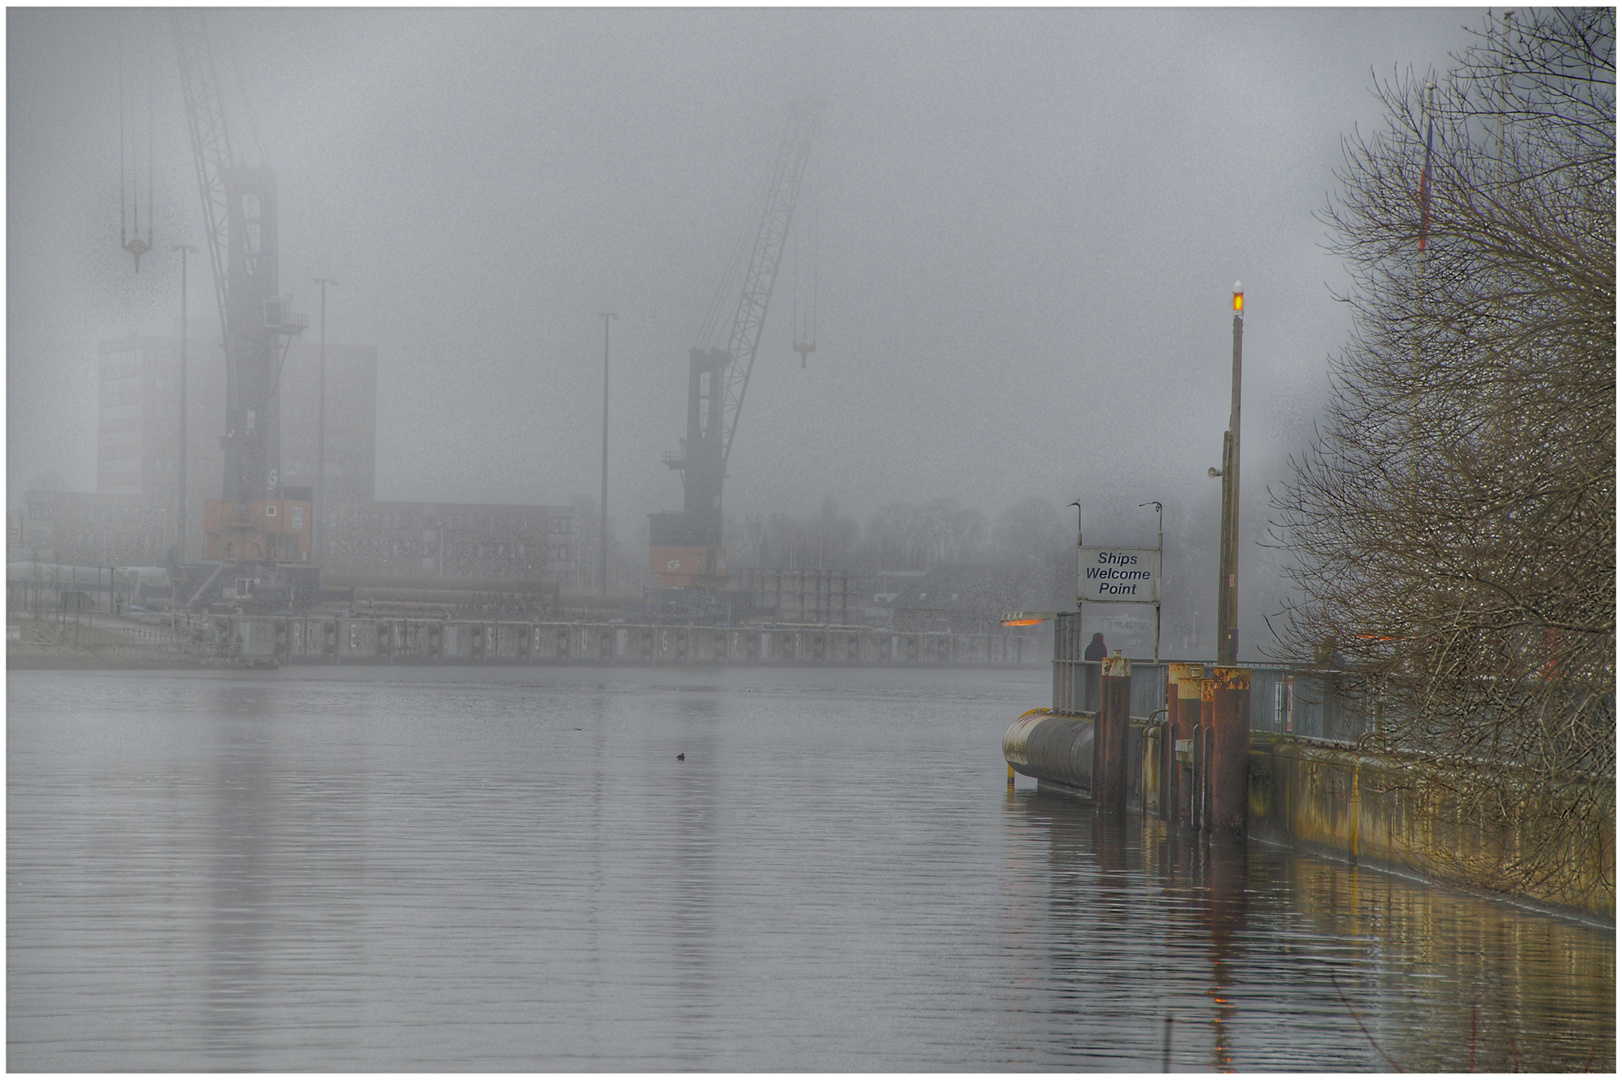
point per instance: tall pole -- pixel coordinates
(317, 532)
(1077, 505)
(180, 462)
(1228, 587)
(1160, 546)
(602, 521)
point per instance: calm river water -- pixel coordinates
(433, 869)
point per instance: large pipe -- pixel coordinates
(1052, 749)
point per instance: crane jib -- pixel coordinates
(685, 548)
(762, 274)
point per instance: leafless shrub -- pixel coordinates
(1453, 525)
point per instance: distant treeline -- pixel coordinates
(905, 536)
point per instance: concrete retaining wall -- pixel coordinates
(1332, 799)
(347, 639)
(1377, 811)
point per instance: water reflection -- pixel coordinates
(280, 849)
(1491, 989)
(595, 716)
(1140, 927)
(510, 870)
(691, 928)
(1264, 959)
(238, 876)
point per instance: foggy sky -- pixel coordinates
(1029, 225)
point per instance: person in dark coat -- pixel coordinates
(1095, 649)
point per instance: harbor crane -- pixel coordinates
(685, 546)
(255, 520)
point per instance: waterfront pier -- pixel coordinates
(1272, 752)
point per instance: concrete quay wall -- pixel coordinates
(1381, 811)
(1337, 801)
(362, 640)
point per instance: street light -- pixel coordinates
(180, 464)
(316, 529)
(1077, 505)
(602, 523)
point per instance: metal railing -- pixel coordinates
(1286, 699)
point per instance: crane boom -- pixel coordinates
(685, 547)
(762, 275)
(210, 142)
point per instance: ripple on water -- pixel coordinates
(431, 869)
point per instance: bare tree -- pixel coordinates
(895, 540)
(1031, 530)
(1032, 534)
(1453, 526)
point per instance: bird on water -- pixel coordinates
(681, 757)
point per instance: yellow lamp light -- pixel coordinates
(1026, 618)
(1238, 299)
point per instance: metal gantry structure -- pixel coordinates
(256, 323)
(685, 547)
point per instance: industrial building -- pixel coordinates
(91, 529)
(130, 519)
(452, 540)
(798, 596)
(139, 435)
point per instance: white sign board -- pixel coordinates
(1113, 575)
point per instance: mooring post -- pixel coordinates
(1109, 732)
(1230, 749)
(1167, 747)
(1203, 754)
(1182, 716)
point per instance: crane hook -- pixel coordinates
(137, 247)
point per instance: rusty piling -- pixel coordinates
(1109, 736)
(1182, 716)
(1201, 810)
(1230, 749)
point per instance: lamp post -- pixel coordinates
(180, 462)
(318, 531)
(602, 521)
(1228, 585)
(1077, 505)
